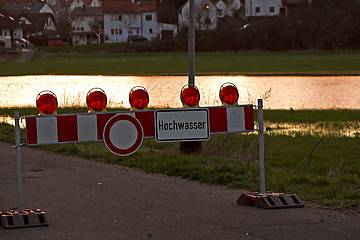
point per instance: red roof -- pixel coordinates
(126, 6)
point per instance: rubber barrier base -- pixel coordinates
(27, 218)
(271, 200)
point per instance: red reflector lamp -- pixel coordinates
(190, 95)
(229, 94)
(96, 99)
(46, 102)
(138, 97)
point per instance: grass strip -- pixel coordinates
(307, 63)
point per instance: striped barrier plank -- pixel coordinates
(89, 127)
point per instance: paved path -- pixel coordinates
(89, 200)
(26, 55)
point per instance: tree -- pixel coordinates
(205, 15)
(129, 21)
(63, 24)
(97, 27)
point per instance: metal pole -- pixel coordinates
(261, 147)
(191, 146)
(18, 158)
(191, 42)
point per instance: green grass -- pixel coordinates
(231, 159)
(311, 116)
(47, 62)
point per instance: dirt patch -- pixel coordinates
(26, 55)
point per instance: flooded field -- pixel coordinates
(277, 92)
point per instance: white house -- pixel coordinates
(35, 18)
(124, 18)
(223, 9)
(206, 15)
(9, 26)
(72, 4)
(57, 6)
(38, 24)
(86, 24)
(263, 8)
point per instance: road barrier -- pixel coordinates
(123, 133)
(89, 127)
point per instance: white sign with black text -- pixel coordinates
(174, 125)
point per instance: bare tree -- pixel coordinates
(97, 27)
(129, 21)
(63, 24)
(205, 15)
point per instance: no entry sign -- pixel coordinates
(174, 125)
(123, 135)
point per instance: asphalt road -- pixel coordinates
(84, 199)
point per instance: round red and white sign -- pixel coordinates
(123, 135)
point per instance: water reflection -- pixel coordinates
(11, 121)
(280, 92)
(318, 129)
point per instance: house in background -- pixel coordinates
(264, 8)
(57, 6)
(125, 18)
(38, 24)
(166, 30)
(9, 26)
(72, 4)
(87, 24)
(223, 9)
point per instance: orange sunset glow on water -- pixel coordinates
(164, 91)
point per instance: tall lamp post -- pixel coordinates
(191, 43)
(191, 146)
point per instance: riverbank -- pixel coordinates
(254, 63)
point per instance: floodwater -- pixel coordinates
(277, 92)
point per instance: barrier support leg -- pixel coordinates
(265, 199)
(261, 146)
(18, 160)
(22, 217)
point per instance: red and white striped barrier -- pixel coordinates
(89, 127)
(71, 128)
